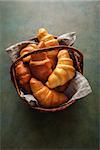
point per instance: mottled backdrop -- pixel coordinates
(76, 127)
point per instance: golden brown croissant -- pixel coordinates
(23, 75)
(45, 96)
(40, 66)
(63, 72)
(27, 49)
(48, 40)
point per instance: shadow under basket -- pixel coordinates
(75, 55)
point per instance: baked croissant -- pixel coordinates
(40, 66)
(27, 49)
(48, 40)
(23, 75)
(45, 96)
(63, 72)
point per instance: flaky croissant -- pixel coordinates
(63, 72)
(48, 40)
(45, 96)
(40, 66)
(23, 75)
(27, 49)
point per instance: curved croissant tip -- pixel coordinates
(42, 29)
(47, 84)
(33, 80)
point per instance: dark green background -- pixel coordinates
(76, 127)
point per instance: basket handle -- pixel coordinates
(60, 47)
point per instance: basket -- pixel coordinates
(75, 54)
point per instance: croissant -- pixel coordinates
(40, 66)
(45, 96)
(27, 49)
(23, 75)
(48, 40)
(63, 72)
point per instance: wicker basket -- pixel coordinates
(75, 54)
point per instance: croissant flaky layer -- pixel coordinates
(46, 96)
(48, 40)
(63, 72)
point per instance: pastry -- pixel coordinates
(40, 66)
(48, 40)
(45, 96)
(26, 50)
(23, 75)
(63, 72)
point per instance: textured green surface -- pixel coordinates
(76, 127)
